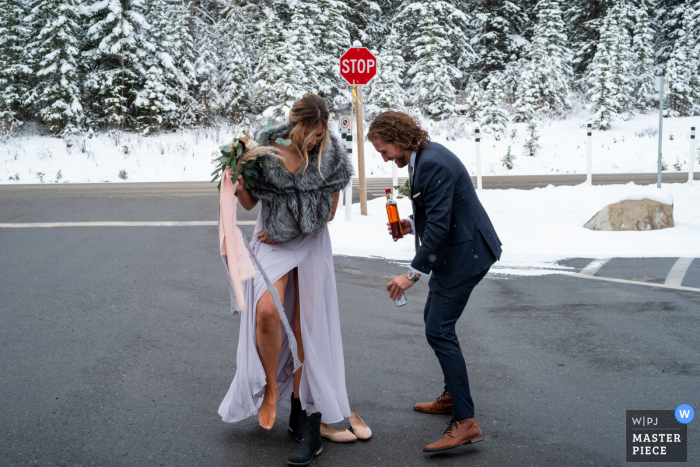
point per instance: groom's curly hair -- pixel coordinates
(398, 128)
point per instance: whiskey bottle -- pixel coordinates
(394, 219)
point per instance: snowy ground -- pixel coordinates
(186, 155)
(541, 226)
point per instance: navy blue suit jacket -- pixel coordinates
(457, 239)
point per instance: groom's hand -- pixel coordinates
(405, 226)
(398, 286)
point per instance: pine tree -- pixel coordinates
(611, 90)
(584, 19)
(492, 115)
(682, 72)
(118, 33)
(299, 74)
(668, 22)
(497, 22)
(14, 71)
(333, 41)
(620, 65)
(384, 92)
(431, 76)
(474, 103)
(365, 22)
(183, 53)
(54, 49)
(512, 77)
(453, 31)
(157, 99)
(268, 70)
(643, 58)
(531, 140)
(508, 160)
(206, 69)
(603, 94)
(545, 80)
(236, 85)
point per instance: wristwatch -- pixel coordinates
(412, 276)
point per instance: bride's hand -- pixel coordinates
(265, 239)
(240, 188)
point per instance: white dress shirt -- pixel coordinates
(412, 165)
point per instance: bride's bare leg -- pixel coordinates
(268, 335)
(297, 332)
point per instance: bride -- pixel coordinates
(299, 194)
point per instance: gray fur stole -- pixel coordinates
(300, 203)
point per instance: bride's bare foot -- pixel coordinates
(268, 410)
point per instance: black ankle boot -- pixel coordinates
(297, 419)
(311, 445)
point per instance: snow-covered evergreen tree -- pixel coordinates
(268, 70)
(531, 139)
(610, 88)
(333, 41)
(584, 19)
(365, 22)
(298, 59)
(474, 103)
(55, 50)
(206, 69)
(492, 115)
(497, 23)
(157, 99)
(184, 57)
(384, 92)
(682, 72)
(432, 74)
(14, 71)
(454, 33)
(512, 77)
(643, 73)
(546, 78)
(236, 74)
(116, 63)
(668, 22)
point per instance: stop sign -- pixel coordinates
(358, 65)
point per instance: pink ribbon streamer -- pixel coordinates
(233, 247)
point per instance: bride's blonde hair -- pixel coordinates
(304, 117)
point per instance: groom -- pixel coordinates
(456, 241)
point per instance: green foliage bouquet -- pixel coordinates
(244, 156)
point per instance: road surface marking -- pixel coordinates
(115, 224)
(677, 272)
(594, 266)
(625, 281)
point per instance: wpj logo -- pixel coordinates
(657, 435)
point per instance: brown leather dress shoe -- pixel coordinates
(458, 432)
(442, 404)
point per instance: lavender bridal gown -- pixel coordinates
(322, 386)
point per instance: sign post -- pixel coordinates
(358, 66)
(661, 86)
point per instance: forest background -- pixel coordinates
(80, 65)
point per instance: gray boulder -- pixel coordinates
(642, 214)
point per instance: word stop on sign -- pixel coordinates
(358, 65)
(363, 66)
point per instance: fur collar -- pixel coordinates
(309, 177)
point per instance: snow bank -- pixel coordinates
(539, 227)
(629, 147)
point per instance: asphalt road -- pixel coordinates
(116, 348)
